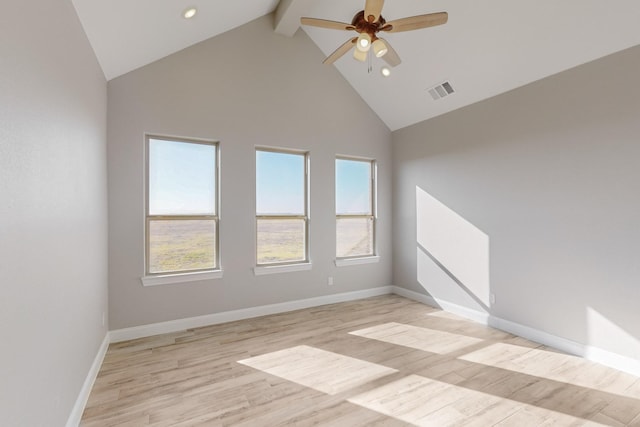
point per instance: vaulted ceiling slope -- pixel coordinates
(485, 49)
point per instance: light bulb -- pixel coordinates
(379, 48)
(360, 55)
(385, 71)
(189, 13)
(364, 42)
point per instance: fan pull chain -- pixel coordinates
(369, 64)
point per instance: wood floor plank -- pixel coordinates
(383, 361)
(419, 338)
(310, 366)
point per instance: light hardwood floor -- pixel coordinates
(383, 361)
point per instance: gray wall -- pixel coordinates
(246, 87)
(53, 195)
(550, 173)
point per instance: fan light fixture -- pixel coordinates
(360, 55)
(379, 48)
(364, 42)
(367, 24)
(385, 71)
(189, 13)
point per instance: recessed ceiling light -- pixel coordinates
(385, 71)
(189, 13)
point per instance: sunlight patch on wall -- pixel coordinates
(455, 244)
(440, 285)
(602, 330)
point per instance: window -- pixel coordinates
(355, 202)
(282, 220)
(182, 206)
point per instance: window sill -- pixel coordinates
(343, 262)
(274, 269)
(168, 279)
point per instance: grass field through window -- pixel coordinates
(185, 245)
(280, 240)
(354, 237)
(181, 245)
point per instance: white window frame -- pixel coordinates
(283, 266)
(373, 189)
(179, 276)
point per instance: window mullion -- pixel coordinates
(181, 217)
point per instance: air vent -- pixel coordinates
(441, 90)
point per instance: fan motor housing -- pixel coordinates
(363, 26)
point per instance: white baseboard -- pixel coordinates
(613, 360)
(616, 361)
(595, 354)
(83, 396)
(425, 299)
(476, 316)
(245, 313)
(538, 336)
(586, 351)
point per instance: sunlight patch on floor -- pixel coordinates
(445, 315)
(424, 339)
(553, 366)
(425, 402)
(320, 370)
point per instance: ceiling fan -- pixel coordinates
(368, 23)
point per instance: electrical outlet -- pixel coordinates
(492, 298)
(330, 281)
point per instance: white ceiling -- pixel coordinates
(127, 34)
(485, 49)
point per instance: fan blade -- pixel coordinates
(416, 22)
(344, 48)
(391, 57)
(323, 23)
(373, 8)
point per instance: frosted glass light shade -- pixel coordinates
(360, 55)
(379, 48)
(364, 42)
